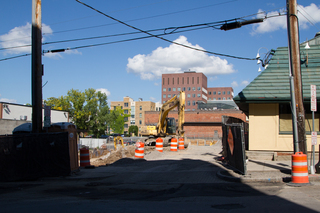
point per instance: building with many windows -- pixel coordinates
(195, 86)
(136, 109)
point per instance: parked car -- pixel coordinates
(104, 136)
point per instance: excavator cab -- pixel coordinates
(171, 126)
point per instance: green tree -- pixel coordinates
(133, 129)
(117, 117)
(88, 110)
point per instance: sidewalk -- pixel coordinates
(264, 171)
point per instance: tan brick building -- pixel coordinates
(136, 109)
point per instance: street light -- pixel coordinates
(265, 61)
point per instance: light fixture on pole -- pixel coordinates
(265, 61)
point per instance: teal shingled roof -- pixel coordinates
(272, 85)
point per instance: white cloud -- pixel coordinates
(234, 84)
(105, 91)
(312, 12)
(176, 59)
(156, 84)
(20, 36)
(152, 99)
(8, 100)
(244, 83)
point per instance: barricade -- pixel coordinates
(139, 152)
(84, 157)
(181, 143)
(159, 144)
(174, 144)
(299, 168)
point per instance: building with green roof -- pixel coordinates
(266, 100)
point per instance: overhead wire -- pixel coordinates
(172, 42)
(306, 17)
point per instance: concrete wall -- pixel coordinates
(264, 130)
(6, 126)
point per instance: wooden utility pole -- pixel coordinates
(36, 67)
(298, 114)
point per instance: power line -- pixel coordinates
(18, 56)
(172, 42)
(308, 15)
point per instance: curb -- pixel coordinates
(230, 175)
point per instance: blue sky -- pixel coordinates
(134, 68)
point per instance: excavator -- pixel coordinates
(166, 127)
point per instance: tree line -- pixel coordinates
(90, 112)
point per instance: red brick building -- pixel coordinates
(199, 123)
(195, 86)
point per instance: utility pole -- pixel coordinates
(298, 114)
(36, 67)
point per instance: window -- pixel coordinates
(140, 115)
(193, 103)
(168, 81)
(132, 122)
(164, 96)
(214, 99)
(174, 89)
(209, 99)
(214, 93)
(224, 92)
(178, 80)
(172, 80)
(199, 95)
(140, 122)
(121, 107)
(192, 80)
(164, 89)
(184, 89)
(199, 88)
(163, 81)
(209, 93)
(132, 116)
(125, 119)
(228, 92)
(188, 95)
(187, 80)
(188, 103)
(224, 98)
(163, 102)
(228, 98)
(179, 88)
(193, 88)
(114, 108)
(169, 89)
(126, 111)
(219, 93)
(219, 98)
(126, 104)
(182, 80)
(197, 80)
(140, 107)
(285, 119)
(189, 88)
(169, 96)
(193, 95)
(125, 125)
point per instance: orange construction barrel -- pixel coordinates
(181, 143)
(299, 168)
(139, 152)
(159, 144)
(174, 145)
(84, 157)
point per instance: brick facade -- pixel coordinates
(199, 123)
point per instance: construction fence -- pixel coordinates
(201, 139)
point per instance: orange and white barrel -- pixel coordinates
(174, 145)
(84, 157)
(181, 143)
(139, 152)
(159, 144)
(299, 168)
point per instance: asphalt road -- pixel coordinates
(184, 182)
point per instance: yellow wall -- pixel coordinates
(264, 130)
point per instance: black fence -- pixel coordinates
(31, 156)
(234, 142)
